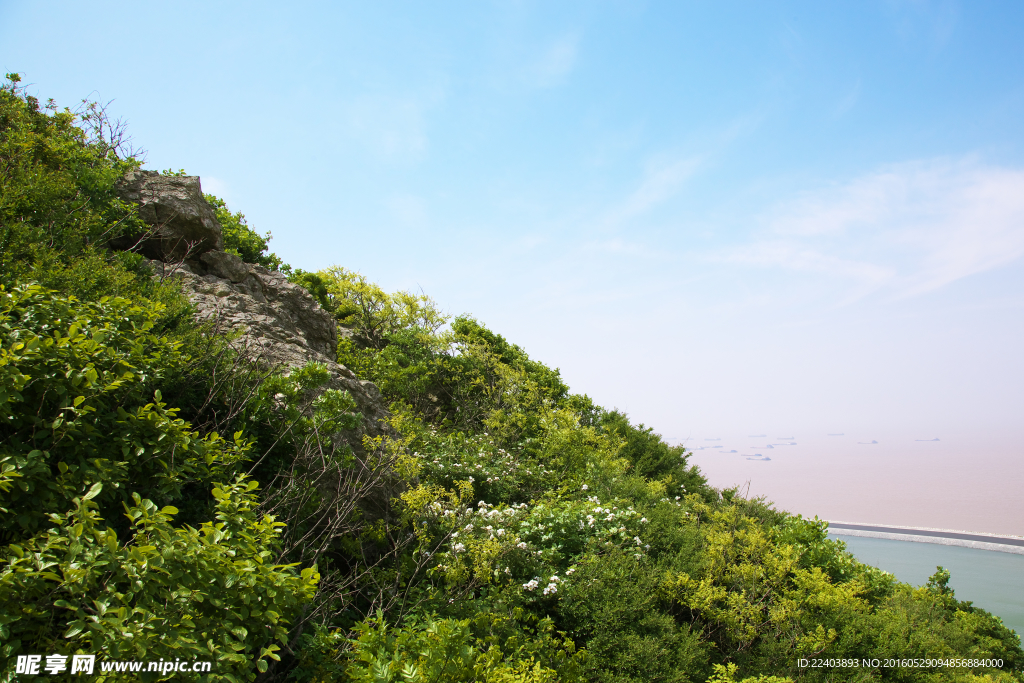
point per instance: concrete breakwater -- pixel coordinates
(964, 539)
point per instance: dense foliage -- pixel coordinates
(162, 496)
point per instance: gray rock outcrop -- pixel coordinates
(182, 223)
(278, 320)
(278, 323)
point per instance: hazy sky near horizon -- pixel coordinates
(723, 218)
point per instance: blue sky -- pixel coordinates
(722, 217)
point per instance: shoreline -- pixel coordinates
(965, 539)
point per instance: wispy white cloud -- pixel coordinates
(555, 62)
(660, 182)
(621, 247)
(906, 229)
(392, 127)
(934, 20)
(849, 100)
(530, 242)
(792, 42)
(666, 174)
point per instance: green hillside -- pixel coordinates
(164, 495)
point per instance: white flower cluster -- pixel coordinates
(548, 526)
(550, 589)
(485, 512)
(493, 461)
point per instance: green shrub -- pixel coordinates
(613, 607)
(79, 406)
(159, 591)
(58, 196)
(447, 650)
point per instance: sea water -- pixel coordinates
(991, 580)
(968, 483)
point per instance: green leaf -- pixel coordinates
(94, 491)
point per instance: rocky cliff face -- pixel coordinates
(280, 323)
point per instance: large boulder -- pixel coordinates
(182, 223)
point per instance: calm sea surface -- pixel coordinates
(993, 581)
(969, 484)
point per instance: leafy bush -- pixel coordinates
(447, 650)
(161, 591)
(364, 308)
(58, 196)
(79, 406)
(614, 606)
